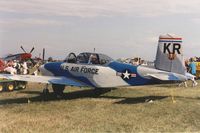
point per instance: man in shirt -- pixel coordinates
(192, 67)
(192, 70)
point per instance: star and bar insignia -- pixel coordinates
(126, 74)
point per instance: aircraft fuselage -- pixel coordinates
(112, 75)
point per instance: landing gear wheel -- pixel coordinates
(45, 91)
(10, 86)
(58, 90)
(1, 87)
(97, 91)
(22, 85)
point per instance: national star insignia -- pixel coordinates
(126, 75)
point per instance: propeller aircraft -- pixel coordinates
(20, 56)
(100, 71)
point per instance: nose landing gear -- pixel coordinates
(57, 89)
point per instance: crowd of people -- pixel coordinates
(20, 67)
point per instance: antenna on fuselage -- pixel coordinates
(94, 50)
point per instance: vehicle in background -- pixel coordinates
(8, 84)
(11, 85)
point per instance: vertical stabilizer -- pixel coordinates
(170, 54)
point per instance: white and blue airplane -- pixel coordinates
(100, 71)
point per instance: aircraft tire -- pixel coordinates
(23, 85)
(45, 91)
(58, 89)
(1, 87)
(10, 86)
(98, 91)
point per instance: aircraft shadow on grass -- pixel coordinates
(39, 97)
(136, 100)
(77, 95)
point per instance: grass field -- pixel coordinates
(163, 108)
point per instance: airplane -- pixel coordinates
(20, 56)
(100, 71)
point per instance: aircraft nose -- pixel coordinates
(44, 71)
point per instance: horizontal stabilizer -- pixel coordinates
(168, 76)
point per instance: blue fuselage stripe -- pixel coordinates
(55, 68)
(137, 80)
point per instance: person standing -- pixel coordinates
(192, 70)
(192, 66)
(25, 68)
(9, 68)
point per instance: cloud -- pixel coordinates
(94, 8)
(16, 22)
(195, 20)
(37, 12)
(32, 13)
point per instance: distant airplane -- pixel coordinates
(100, 71)
(20, 56)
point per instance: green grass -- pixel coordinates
(174, 109)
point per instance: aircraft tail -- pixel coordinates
(170, 54)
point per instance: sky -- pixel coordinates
(117, 28)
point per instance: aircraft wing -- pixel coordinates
(168, 76)
(44, 79)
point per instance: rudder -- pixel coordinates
(170, 54)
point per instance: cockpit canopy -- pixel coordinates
(88, 58)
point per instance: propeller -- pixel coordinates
(23, 49)
(31, 50)
(43, 54)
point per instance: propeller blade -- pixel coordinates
(32, 50)
(43, 54)
(23, 49)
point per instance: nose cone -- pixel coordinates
(26, 56)
(42, 69)
(45, 71)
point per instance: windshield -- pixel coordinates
(93, 58)
(71, 58)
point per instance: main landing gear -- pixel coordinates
(57, 89)
(46, 90)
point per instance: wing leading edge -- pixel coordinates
(44, 79)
